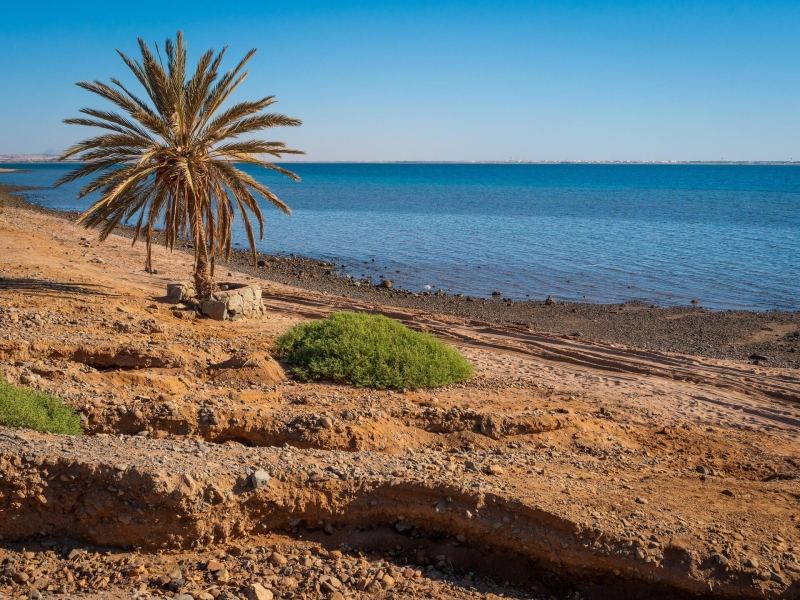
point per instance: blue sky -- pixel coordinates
(459, 80)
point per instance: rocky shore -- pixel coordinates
(771, 338)
(571, 467)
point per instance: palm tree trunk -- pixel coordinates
(203, 279)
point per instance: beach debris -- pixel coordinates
(496, 294)
(549, 301)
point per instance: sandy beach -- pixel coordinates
(634, 459)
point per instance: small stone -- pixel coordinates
(751, 563)
(336, 596)
(777, 577)
(214, 565)
(277, 560)
(259, 479)
(728, 493)
(641, 500)
(316, 476)
(183, 596)
(326, 423)
(223, 576)
(134, 570)
(257, 591)
(27, 378)
(720, 559)
(493, 470)
(549, 301)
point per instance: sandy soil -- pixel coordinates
(569, 467)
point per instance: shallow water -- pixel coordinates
(728, 235)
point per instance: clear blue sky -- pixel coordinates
(559, 80)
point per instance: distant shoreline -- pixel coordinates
(46, 159)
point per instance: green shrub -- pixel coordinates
(22, 407)
(370, 351)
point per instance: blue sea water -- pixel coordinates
(728, 235)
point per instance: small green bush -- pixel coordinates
(370, 351)
(22, 407)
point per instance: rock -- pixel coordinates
(27, 378)
(386, 284)
(641, 500)
(702, 470)
(215, 309)
(277, 560)
(326, 423)
(214, 565)
(257, 591)
(184, 597)
(97, 260)
(496, 294)
(549, 301)
(204, 596)
(777, 577)
(728, 493)
(184, 314)
(176, 291)
(316, 476)
(751, 563)
(134, 570)
(720, 559)
(404, 527)
(262, 263)
(20, 577)
(174, 574)
(336, 596)
(259, 479)
(493, 470)
(387, 581)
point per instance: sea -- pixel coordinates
(727, 236)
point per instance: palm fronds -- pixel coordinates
(170, 155)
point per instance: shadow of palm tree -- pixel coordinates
(43, 286)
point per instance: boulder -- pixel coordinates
(177, 291)
(215, 309)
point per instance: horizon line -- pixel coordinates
(23, 158)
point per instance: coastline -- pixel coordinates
(567, 440)
(732, 335)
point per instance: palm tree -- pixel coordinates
(173, 159)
